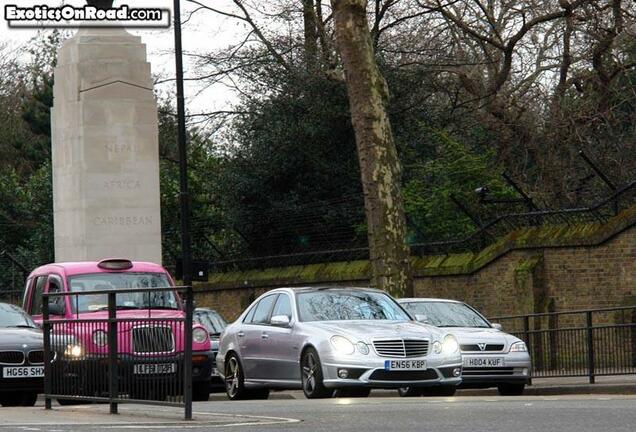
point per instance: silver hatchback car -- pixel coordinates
(491, 358)
(325, 339)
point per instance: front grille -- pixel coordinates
(401, 347)
(488, 347)
(36, 357)
(12, 357)
(384, 375)
(468, 372)
(148, 340)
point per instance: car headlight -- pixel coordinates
(437, 347)
(362, 348)
(342, 345)
(100, 338)
(74, 351)
(199, 335)
(518, 347)
(450, 345)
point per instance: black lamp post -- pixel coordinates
(186, 252)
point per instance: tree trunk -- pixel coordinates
(311, 35)
(379, 164)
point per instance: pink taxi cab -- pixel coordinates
(149, 351)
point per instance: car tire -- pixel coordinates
(234, 378)
(10, 399)
(353, 392)
(511, 389)
(409, 391)
(200, 392)
(311, 376)
(28, 399)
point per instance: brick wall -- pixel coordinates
(515, 282)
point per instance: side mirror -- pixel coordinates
(56, 309)
(422, 318)
(497, 326)
(280, 321)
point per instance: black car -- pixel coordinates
(21, 358)
(215, 324)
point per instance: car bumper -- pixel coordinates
(21, 384)
(371, 373)
(202, 367)
(516, 369)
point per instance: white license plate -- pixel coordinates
(215, 372)
(483, 361)
(23, 372)
(401, 365)
(155, 369)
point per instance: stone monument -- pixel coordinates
(105, 154)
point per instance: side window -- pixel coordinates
(262, 312)
(28, 288)
(283, 306)
(250, 315)
(55, 286)
(36, 296)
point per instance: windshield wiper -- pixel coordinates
(21, 326)
(162, 307)
(120, 307)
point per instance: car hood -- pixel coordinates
(467, 335)
(368, 330)
(16, 337)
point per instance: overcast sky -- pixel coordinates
(204, 32)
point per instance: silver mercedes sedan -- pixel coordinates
(491, 358)
(326, 340)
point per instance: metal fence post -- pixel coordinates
(526, 333)
(187, 355)
(590, 346)
(46, 328)
(113, 372)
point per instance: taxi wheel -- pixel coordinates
(511, 389)
(200, 392)
(311, 374)
(409, 392)
(353, 392)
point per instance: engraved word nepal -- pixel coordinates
(122, 220)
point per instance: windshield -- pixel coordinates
(111, 281)
(447, 314)
(11, 316)
(341, 305)
(210, 320)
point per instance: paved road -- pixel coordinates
(521, 414)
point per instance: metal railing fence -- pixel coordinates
(115, 355)
(578, 343)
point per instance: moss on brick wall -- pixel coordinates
(528, 280)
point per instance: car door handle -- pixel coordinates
(264, 336)
(240, 334)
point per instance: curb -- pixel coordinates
(557, 390)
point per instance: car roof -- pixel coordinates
(85, 267)
(421, 300)
(329, 288)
